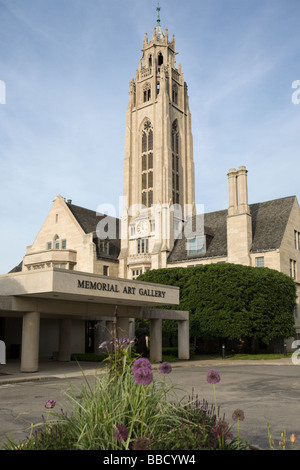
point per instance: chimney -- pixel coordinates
(238, 191)
(239, 221)
(242, 190)
(232, 191)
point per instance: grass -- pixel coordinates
(197, 357)
(256, 357)
(150, 419)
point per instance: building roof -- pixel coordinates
(89, 220)
(269, 221)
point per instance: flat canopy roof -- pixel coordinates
(60, 284)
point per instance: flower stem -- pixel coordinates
(133, 418)
(215, 402)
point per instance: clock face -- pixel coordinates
(142, 227)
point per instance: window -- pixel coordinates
(260, 262)
(175, 162)
(143, 245)
(175, 94)
(105, 270)
(49, 246)
(157, 88)
(147, 92)
(56, 242)
(297, 239)
(160, 59)
(64, 244)
(104, 246)
(293, 266)
(196, 245)
(136, 273)
(147, 164)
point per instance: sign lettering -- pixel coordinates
(130, 290)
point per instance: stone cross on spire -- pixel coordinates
(158, 12)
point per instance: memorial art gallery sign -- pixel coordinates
(125, 289)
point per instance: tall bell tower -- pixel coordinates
(158, 179)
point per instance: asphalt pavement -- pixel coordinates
(267, 392)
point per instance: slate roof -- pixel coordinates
(269, 221)
(88, 220)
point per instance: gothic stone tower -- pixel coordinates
(158, 186)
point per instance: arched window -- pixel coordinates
(175, 162)
(147, 164)
(160, 59)
(175, 94)
(147, 92)
(56, 242)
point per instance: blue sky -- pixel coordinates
(67, 64)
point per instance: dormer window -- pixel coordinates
(104, 246)
(196, 245)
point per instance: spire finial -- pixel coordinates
(158, 12)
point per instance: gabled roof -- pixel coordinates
(88, 220)
(269, 221)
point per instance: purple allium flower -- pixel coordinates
(105, 344)
(123, 343)
(238, 415)
(121, 433)
(141, 443)
(143, 376)
(50, 404)
(141, 363)
(165, 368)
(222, 429)
(213, 376)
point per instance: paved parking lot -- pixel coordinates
(267, 392)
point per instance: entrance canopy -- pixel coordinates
(66, 295)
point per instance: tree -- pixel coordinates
(233, 301)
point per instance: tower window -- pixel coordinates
(147, 92)
(160, 59)
(147, 165)
(143, 245)
(175, 162)
(175, 94)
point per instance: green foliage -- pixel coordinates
(233, 301)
